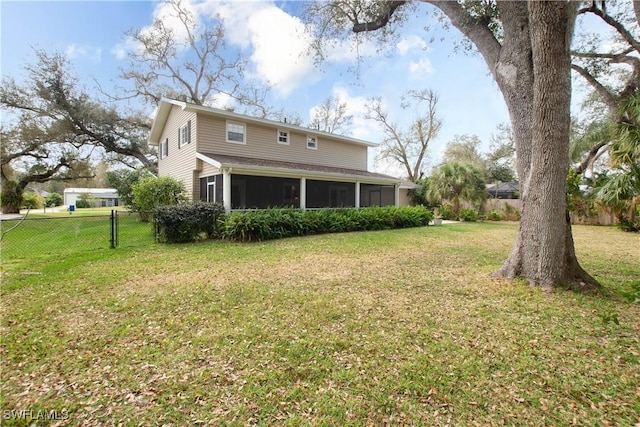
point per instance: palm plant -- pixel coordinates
(456, 181)
(621, 191)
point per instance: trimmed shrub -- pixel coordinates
(446, 211)
(494, 216)
(188, 222)
(251, 226)
(469, 215)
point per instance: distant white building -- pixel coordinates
(98, 197)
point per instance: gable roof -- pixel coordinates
(166, 104)
(253, 165)
(504, 187)
(95, 192)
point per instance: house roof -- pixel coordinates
(268, 167)
(164, 108)
(96, 192)
(504, 187)
(408, 185)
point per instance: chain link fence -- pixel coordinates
(36, 238)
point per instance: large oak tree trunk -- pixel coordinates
(544, 251)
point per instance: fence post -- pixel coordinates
(117, 228)
(113, 229)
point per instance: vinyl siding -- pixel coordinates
(262, 143)
(208, 170)
(180, 163)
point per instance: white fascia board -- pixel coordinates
(160, 119)
(209, 160)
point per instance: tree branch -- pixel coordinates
(381, 20)
(591, 156)
(476, 30)
(609, 99)
(612, 22)
(596, 55)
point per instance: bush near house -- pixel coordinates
(188, 222)
(272, 224)
(151, 192)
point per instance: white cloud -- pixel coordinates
(350, 50)
(222, 101)
(276, 41)
(166, 14)
(74, 51)
(420, 68)
(170, 19)
(411, 42)
(280, 47)
(276, 44)
(121, 49)
(236, 16)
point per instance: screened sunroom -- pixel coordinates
(247, 183)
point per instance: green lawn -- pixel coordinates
(397, 327)
(57, 238)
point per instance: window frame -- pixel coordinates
(313, 138)
(164, 148)
(244, 132)
(184, 134)
(279, 135)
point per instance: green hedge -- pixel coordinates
(187, 222)
(269, 224)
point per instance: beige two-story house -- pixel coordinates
(247, 162)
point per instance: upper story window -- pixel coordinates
(184, 134)
(164, 148)
(236, 132)
(312, 142)
(283, 137)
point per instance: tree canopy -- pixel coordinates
(407, 147)
(496, 165)
(55, 130)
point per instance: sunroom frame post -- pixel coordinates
(226, 189)
(303, 193)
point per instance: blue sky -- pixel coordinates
(91, 34)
